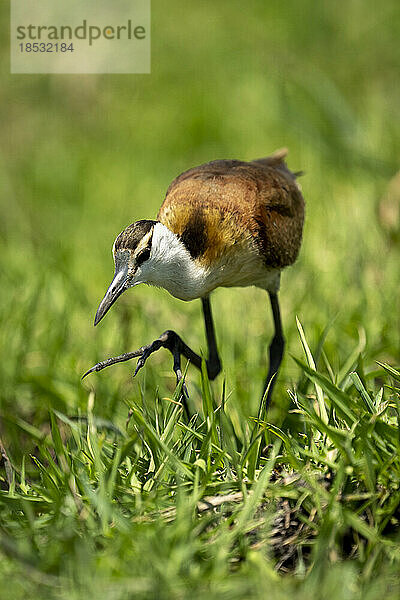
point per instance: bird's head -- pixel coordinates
(131, 251)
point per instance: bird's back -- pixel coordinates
(223, 205)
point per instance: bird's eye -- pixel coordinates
(142, 256)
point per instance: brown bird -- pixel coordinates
(223, 224)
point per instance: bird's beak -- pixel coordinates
(118, 285)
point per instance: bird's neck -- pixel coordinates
(171, 266)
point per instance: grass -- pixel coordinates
(234, 503)
(165, 508)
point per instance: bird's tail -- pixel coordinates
(277, 160)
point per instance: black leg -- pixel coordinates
(275, 349)
(213, 361)
(174, 343)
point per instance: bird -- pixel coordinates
(225, 223)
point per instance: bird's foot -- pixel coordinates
(143, 353)
(114, 360)
(169, 340)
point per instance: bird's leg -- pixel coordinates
(275, 349)
(213, 362)
(174, 343)
(169, 339)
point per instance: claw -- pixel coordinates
(179, 376)
(97, 367)
(147, 351)
(185, 390)
(139, 365)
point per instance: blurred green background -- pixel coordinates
(83, 156)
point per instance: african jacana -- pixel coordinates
(223, 224)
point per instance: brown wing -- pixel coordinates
(220, 204)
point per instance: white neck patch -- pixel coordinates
(170, 266)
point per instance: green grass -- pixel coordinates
(303, 501)
(166, 508)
